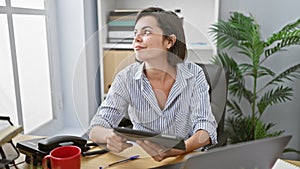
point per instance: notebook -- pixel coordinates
(257, 154)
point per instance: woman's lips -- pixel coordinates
(137, 48)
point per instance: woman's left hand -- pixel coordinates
(157, 152)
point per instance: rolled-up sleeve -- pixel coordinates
(202, 117)
(114, 107)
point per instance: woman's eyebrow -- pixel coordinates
(145, 27)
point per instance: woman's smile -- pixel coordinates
(139, 47)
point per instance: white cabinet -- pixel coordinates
(198, 16)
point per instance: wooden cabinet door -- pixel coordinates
(113, 62)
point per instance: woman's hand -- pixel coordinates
(117, 143)
(114, 143)
(157, 152)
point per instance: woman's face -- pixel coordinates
(149, 43)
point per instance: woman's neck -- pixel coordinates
(160, 72)
(161, 78)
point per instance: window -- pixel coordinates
(27, 63)
(33, 4)
(2, 2)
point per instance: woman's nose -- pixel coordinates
(137, 37)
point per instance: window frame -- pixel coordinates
(54, 61)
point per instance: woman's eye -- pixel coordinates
(147, 32)
(144, 32)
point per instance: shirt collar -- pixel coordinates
(139, 72)
(182, 71)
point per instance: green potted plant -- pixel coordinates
(247, 100)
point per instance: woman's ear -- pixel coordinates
(171, 40)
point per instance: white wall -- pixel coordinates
(272, 15)
(71, 36)
(78, 38)
(92, 56)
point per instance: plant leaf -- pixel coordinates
(234, 108)
(288, 150)
(223, 35)
(236, 83)
(291, 27)
(280, 94)
(289, 74)
(242, 125)
(287, 36)
(288, 39)
(264, 71)
(239, 31)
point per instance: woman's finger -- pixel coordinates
(152, 149)
(117, 143)
(152, 152)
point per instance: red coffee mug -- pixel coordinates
(65, 157)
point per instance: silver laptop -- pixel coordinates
(257, 154)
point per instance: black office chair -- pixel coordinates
(217, 79)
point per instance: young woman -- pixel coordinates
(162, 93)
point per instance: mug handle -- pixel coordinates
(45, 161)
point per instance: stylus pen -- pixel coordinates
(121, 161)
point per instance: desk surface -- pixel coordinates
(296, 163)
(145, 161)
(94, 162)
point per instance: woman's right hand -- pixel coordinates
(114, 142)
(117, 143)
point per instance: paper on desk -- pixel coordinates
(280, 164)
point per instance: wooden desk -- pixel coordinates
(94, 162)
(145, 161)
(296, 163)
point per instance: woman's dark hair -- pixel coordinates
(170, 24)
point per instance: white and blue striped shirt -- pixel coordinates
(187, 108)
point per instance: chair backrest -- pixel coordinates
(217, 79)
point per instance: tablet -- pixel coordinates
(168, 141)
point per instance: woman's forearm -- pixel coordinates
(99, 134)
(199, 139)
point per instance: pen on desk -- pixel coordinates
(121, 161)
